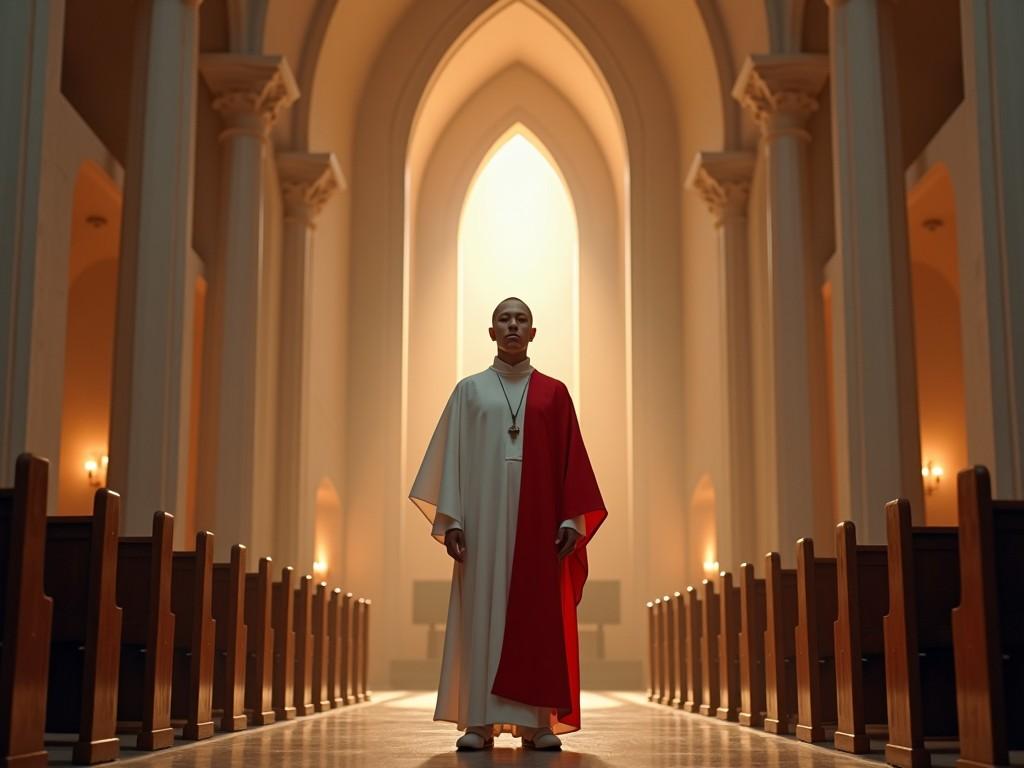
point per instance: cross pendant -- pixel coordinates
(514, 431)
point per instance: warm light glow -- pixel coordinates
(711, 566)
(932, 474)
(96, 469)
(518, 237)
(319, 567)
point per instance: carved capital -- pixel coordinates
(308, 180)
(781, 91)
(249, 91)
(722, 179)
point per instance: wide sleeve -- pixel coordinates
(436, 490)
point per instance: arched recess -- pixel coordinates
(430, 372)
(89, 343)
(326, 533)
(377, 511)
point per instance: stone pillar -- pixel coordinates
(31, 37)
(722, 179)
(878, 441)
(153, 346)
(780, 92)
(994, 92)
(308, 181)
(249, 92)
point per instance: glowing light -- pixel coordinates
(711, 566)
(518, 237)
(320, 567)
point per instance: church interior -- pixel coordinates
(773, 248)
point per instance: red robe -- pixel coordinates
(539, 662)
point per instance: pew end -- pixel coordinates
(729, 649)
(259, 666)
(780, 645)
(694, 688)
(230, 641)
(283, 610)
(709, 627)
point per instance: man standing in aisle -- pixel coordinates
(507, 486)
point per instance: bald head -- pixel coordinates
(511, 303)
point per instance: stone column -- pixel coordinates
(153, 346)
(780, 92)
(31, 36)
(878, 441)
(249, 92)
(994, 278)
(722, 179)
(308, 180)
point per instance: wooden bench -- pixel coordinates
(862, 576)
(147, 634)
(192, 665)
(779, 646)
(694, 689)
(729, 649)
(348, 654)
(259, 662)
(670, 696)
(751, 645)
(679, 649)
(229, 659)
(81, 579)
(321, 660)
(709, 628)
(303, 625)
(283, 626)
(988, 625)
(653, 652)
(815, 642)
(25, 615)
(335, 646)
(363, 652)
(924, 587)
(661, 664)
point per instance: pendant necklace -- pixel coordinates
(513, 430)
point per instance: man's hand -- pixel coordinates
(455, 543)
(566, 541)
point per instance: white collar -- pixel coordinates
(521, 368)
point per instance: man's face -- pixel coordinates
(512, 329)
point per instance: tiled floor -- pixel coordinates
(620, 730)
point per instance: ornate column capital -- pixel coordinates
(249, 91)
(781, 91)
(308, 180)
(722, 179)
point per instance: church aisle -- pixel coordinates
(395, 731)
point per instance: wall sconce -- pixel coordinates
(96, 470)
(710, 568)
(320, 568)
(932, 474)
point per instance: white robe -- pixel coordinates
(469, 479)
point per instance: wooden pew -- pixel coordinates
(147, 634)
(679, 649)
(348, 654)
(668, 605)
(364, 648)
(919, 680)
(25, 615)
(988, 625)
(259, 663)
(81, 579)
(751, 644)
(862, 575)
(815, 642)
(663, 650)
(709, 628)
(780, 646)
(229, 659)
(335, 646)
(653, 652)
(303, 625)
(192, 665)
(694, 689)
(321, 602)
(283, 627)
(729, 649)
